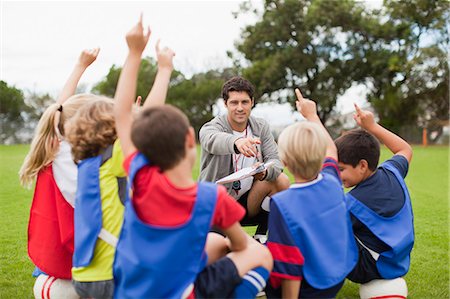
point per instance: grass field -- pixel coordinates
(428, 182)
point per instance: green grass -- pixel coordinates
(427, 181)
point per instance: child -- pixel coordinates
(98, 208)
(310, 234)
(161, 251)
(50, 228)
(379, 203)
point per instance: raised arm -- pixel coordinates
(394, 143)
(87, 57)
(308, 109)
(126, 87)
(158, 93)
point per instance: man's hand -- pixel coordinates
(364, 118)
(87, 57)
(247, 146)
(261, 175)
(136, 39)
(165, 57)
(305, 107)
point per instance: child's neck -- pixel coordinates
(368, 174)
(300, 180)
(181, 174)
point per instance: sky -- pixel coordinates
(41, 41)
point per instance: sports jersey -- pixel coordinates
(97, 206)
(50, 228)
(150, 182)
(310, 234)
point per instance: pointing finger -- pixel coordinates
(157, 45)
(358, 110)
(149, 31)
(298, 94)
(140, 18)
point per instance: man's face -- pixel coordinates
(351, 176)
(239, 106)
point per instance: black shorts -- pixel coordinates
(218, 280)
(261, 219)
(366, 268)
(94, 289)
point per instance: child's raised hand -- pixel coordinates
(164, 56)
(137, 39)
(305, 107)
(87, 57)
(363, 118)
(138, 101)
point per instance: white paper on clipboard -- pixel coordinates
(244, 173)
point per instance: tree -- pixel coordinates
(197, 96)
(146, 76)
(11, 116)
(302, 43)
(404, 47)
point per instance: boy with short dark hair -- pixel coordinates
(310, 233)
(165, 249)
(379, 203)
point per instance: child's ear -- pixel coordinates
(363, 165)
(190, 138)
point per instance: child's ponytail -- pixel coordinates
(49, 132)
(43, 147)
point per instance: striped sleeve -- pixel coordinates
(331, 167)
(288, 260)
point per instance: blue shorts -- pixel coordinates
(217, 280)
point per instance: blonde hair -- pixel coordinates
(45, 143)
(302, 148)
(92, 129)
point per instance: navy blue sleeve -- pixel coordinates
(288, 260)
(400, 163)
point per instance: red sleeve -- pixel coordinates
(330, 166)
(228, 210)
(127, 162)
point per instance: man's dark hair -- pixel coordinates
(159, 133)
(237, 84)
(356, 145)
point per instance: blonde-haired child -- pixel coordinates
(310, 234)
(49, 163)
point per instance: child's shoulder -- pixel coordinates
(399, 162)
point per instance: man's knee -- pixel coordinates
(282, 182)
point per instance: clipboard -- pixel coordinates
(244, 173)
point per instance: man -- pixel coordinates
(235, 141)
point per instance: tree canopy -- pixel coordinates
(398, 51)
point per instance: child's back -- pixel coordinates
(379, 203)
(165, 249)
(310, 234)
(98, 208)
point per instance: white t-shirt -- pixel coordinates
(65, 172)
(240, 161)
